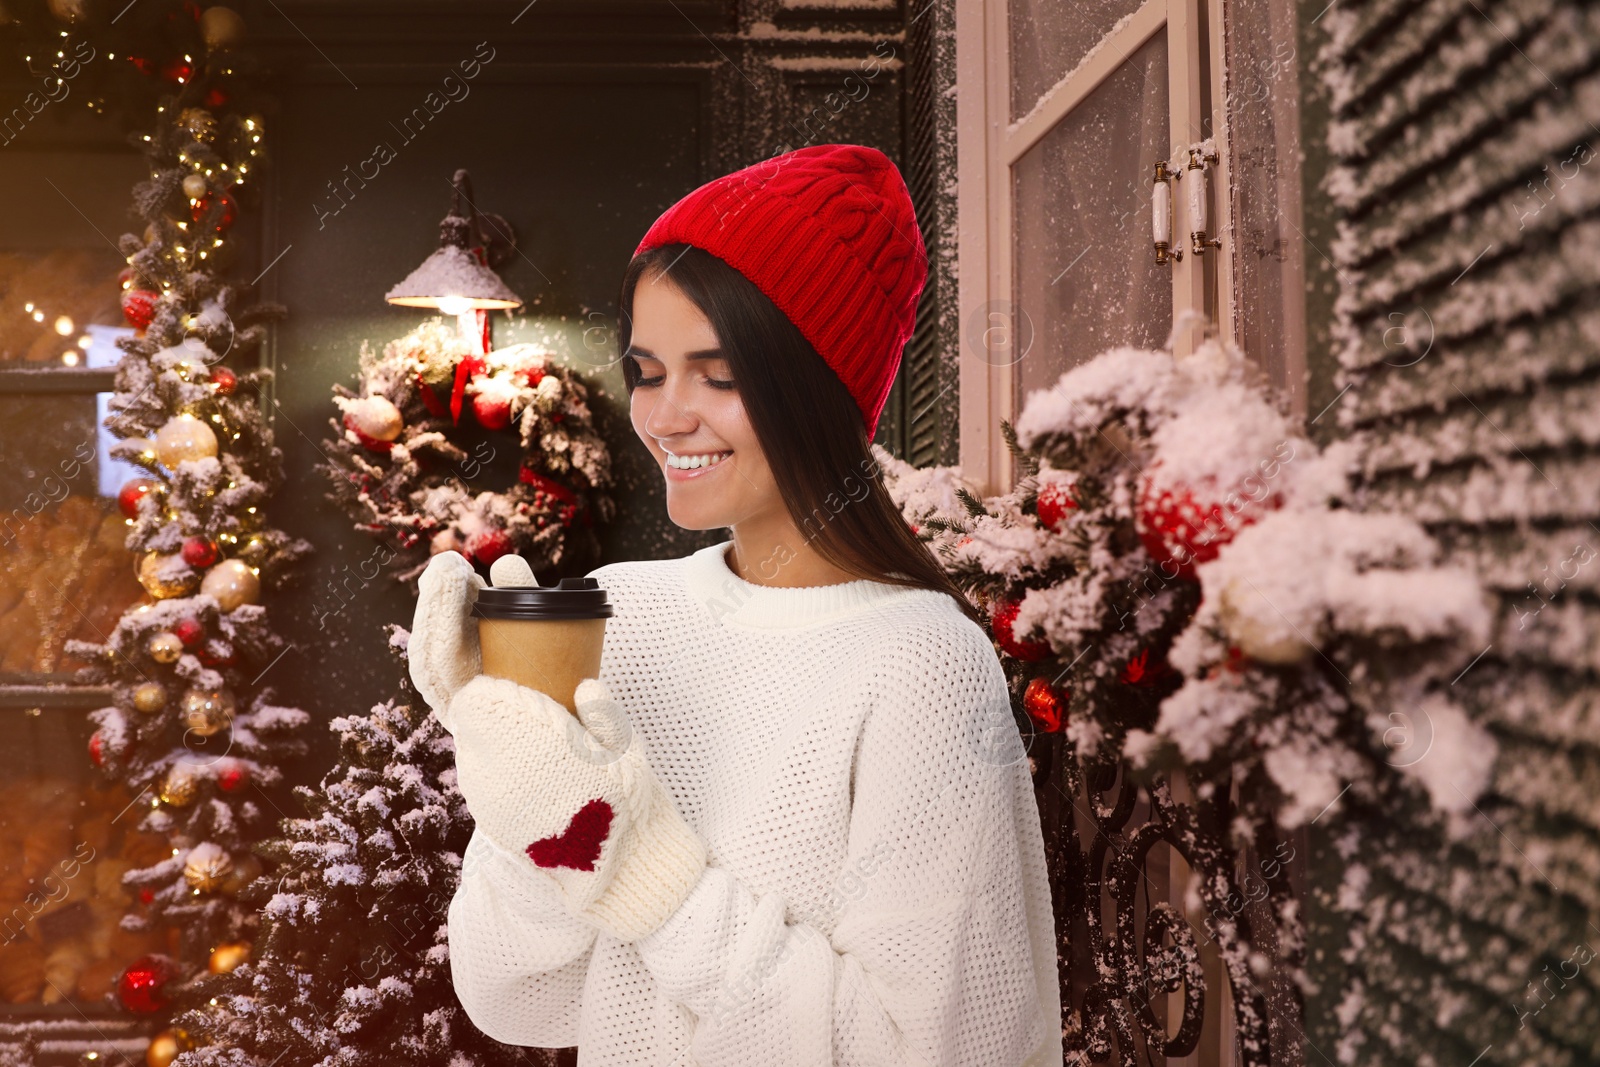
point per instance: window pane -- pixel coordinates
(1085, 276)
(64, 572)
(1268, 251)
(48, 299)
(59, 258)
(66, 844)
(1048, 39)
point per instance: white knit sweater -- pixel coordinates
(876, 893)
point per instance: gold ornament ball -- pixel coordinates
(224, 958)
(207, 712)
(166, 575)
(201, 124)
(164, 1048)
(446, 540)
(165, 647)
(149, 697)
(1256, 626)
(184, 437)
(206, 866)
(221, 27)
(194, 186)
(231, 583)
(180, 785)
(378, 418)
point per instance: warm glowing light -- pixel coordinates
(64, 325)
(70, 358)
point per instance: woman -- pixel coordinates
(796, 824)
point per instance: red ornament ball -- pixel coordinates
(209, 660)
(97, 750)
(1054, 501)
(142, 986)
(189, 631)
(199, 552)
(215, 97)
(233, 777)
(1185, 526)
(493, 412)
(224, 379)
(230, 210)
(177, 71)
(139, 307)
(529, 376)
(1004, 614)
(486, 546)
(130, 494)
(1046, 705)
(146, 895)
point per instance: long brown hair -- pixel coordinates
(809, 426)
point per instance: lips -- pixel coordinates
(712, 456)
(682, 473)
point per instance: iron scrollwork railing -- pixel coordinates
(1115, 968)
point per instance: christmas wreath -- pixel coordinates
(402, 462)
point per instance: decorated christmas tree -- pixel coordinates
(191, 733)
(352, 963)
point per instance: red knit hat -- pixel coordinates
(828, 233)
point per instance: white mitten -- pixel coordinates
(443, 649)
(578, 799)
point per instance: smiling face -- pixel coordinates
(679, 409)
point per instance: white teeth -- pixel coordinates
(693, 462)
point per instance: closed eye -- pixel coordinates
(658, 379)
(715, 383)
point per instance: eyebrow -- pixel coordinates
(704, 353)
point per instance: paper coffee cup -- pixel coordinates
(546, 638)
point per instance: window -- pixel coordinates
(1063, 112)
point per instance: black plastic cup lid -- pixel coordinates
(573, 598)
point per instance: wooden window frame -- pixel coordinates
(984, 202)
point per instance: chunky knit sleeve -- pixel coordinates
(517, 958)
(929, 954)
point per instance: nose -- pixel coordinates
(667, 416)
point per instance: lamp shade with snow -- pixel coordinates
(454, 279)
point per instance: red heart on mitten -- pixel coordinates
(578, 846)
